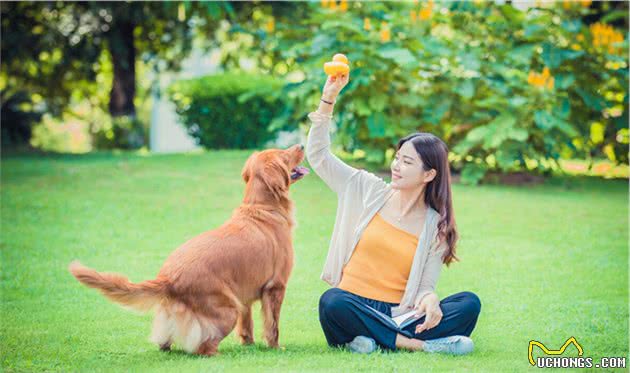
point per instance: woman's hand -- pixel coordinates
(334, 85)
(430, 304)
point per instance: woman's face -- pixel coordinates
(407, 169)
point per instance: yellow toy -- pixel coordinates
(338, 66)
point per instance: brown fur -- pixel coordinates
(206, 286)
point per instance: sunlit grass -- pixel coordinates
(548, 262)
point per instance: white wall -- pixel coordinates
(167, 135)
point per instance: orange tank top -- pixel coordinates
(380, 264)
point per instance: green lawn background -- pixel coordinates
(548, 262)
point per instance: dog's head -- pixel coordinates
(275, 169)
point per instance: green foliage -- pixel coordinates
(466, 73)
(125, 132)
(232, 110)
(54, 52)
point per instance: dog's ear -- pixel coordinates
(246, 173)
(277, 178)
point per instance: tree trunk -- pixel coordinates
(123, 52)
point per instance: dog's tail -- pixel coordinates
(140, 297)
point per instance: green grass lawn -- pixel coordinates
(548, 262)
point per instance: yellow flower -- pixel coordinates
(530, 77)
(586, 3)
(424, 14)
(333, 4)
(566, 4)
(605, 36)
(343, 5)
(385, 33)
(545, 72)
(325, 3)
(543, 80)
(270, 26)
(366, 24)
(385, 36)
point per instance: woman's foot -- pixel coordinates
(409, 344)
(362, 345)
(455, 345)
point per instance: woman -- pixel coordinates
(388, 246)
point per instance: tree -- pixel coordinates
(507, 89)
(51, 50)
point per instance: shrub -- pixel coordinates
(231, 110)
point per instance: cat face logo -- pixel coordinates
(552, 352)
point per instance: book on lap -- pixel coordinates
(399, 322)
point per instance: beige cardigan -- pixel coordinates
(360, 195)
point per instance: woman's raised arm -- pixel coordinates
(326, 165)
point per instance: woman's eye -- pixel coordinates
(405, 162)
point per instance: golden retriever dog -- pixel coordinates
(207, 286)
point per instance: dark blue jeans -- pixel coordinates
(342, 319)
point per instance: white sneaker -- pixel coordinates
(362, 345)
(455, 345)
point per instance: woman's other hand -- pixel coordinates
(430, 305)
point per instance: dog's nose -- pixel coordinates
(301, 147)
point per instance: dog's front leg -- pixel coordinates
(245, 326)
(271, 302)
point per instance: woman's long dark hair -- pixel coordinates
(434, 155)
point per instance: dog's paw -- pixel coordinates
(246, 340)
